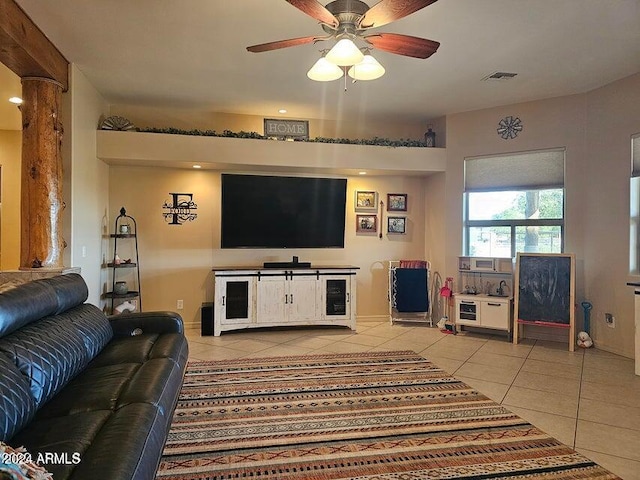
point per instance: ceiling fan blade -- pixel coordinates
(292, 42)
(403, 44)
(388, 11)
(316, 10)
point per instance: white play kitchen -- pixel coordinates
(485, 293)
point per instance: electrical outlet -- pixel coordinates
(610, 320)
(180, 304)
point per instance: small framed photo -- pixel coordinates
(396, 202)
(366, 200)
(366, 223)
(397, 225)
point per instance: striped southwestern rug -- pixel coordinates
(376, 415)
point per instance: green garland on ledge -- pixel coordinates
(382, 142)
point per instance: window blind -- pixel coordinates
(518, 171)
(635, 156)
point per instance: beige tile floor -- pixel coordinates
(588, 399)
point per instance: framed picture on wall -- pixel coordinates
(366, 200)
(396, 202)
(366, 223)
(397, 225)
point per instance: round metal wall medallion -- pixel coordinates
(509, 127)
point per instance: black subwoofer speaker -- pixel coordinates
(206, 319)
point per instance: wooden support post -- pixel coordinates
(41, 208)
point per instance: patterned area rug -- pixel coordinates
(382, 416)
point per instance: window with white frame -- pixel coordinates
(634, 207)
(514, 203)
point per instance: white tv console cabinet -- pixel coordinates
(253, 297)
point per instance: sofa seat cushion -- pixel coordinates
(107, 384)
(93, 389)
(140, 348)
(124, 443)
(157, 382)
(115, 413)
(111, 387)
(61, 435)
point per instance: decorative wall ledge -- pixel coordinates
(13, 278)
(221, 153)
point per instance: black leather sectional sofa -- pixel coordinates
(94, 395)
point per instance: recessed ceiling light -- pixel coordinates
(16, 100)
(197, 166)
(362, 173)
(282, 110)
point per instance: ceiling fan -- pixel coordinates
(351, 20)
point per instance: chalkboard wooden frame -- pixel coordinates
(544, 293)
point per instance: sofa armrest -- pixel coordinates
(129, 324)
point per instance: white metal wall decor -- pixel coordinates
(179, 209)
(509, 127)
(116, 123)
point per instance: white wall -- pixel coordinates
(436, 213)
(11, 162)
(613, 117)
(188, 119)
(86, 184)
(595, 128)
(176, 261)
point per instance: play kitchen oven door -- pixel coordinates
(467, 311)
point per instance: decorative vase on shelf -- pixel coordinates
(430, 138)
(120, 288)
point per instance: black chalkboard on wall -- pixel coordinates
(545, 291)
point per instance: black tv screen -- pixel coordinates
(261, 211)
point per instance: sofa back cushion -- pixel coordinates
(92, 325)
(17, 406)
(24, 304)
(49, 353)
(34, 300)
(71, 290)
(48, 334)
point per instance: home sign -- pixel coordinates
(286, 129)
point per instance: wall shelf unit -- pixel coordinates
(125, 238)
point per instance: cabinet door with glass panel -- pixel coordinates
(234, 300)
(336, 297)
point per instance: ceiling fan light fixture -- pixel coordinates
(368, 69)
(345, 53)
(324, 71)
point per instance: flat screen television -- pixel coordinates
(262, 211)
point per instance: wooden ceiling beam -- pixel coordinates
(26, 50)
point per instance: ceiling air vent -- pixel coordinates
(500, 76)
